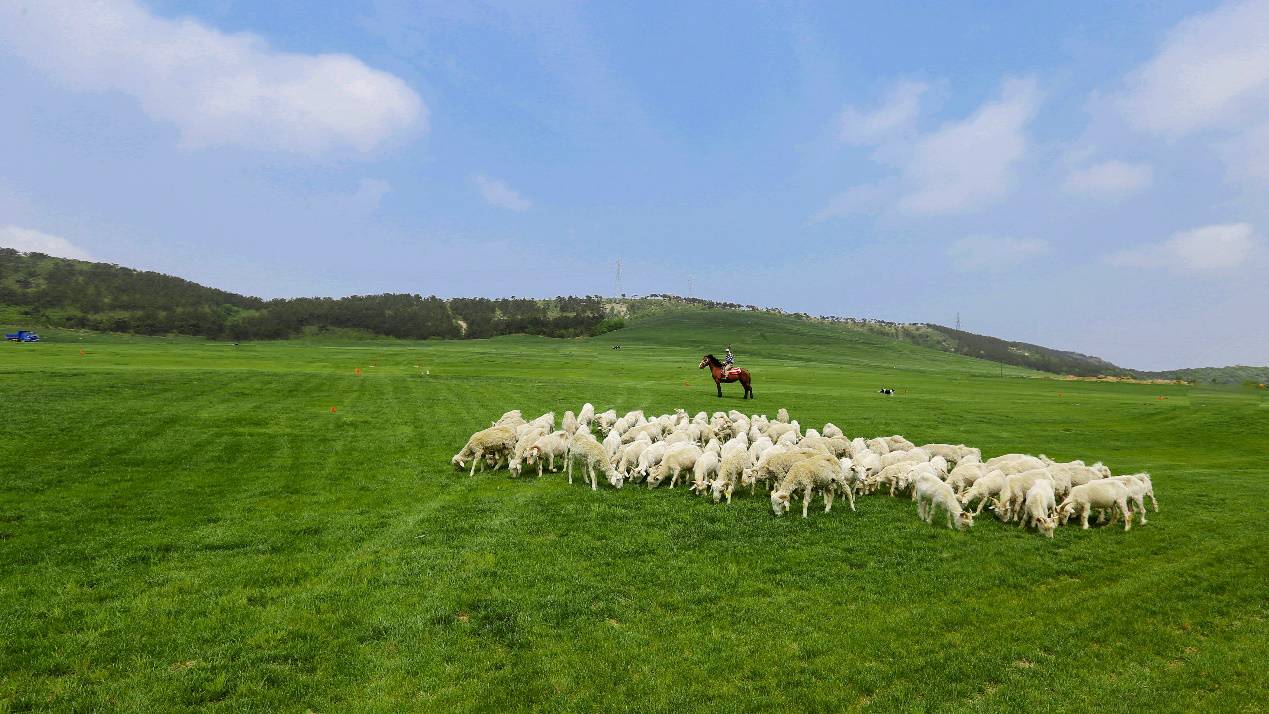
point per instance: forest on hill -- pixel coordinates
(110, 298)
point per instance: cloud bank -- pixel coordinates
(217, 89)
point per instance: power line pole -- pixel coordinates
(958, 320)
(618, 283)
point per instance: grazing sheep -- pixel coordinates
(1040, 509)
(849, 479)
(570, 423)
(549, 447)
(730, 473)
(630, 454)
(607, 420)
(706, 465)
(773, 466)
(782, 415)
(525, 437)
(512, 419)
(789, 438)
(985, 489)
(819, 471)
(1104, 493)
(1010, 467)
(965, 474)
(1139, 486)
(954, 453)
(546, 422)
(931, 494)
(677, 459)
(831, 430)
(498, 442)
(881, 447)
(779, 429)
(612, 443)
(591, 454)
(1014, 493)
(586, 415)
(650, 458)
(757, 448)
(896, 442)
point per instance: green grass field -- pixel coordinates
(186, 524)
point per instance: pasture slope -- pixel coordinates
(185, 524)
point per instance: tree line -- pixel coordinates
(100, 296)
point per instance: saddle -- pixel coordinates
(732, 373)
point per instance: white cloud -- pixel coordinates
(1211, 71)
(970, 163)
(1218, 247)
(216, 88)
(989, 254)
(497, 193)
(27, 240)
(1109, 179)
(897, 113)
(960, 167)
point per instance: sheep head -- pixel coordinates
(780, 502)
(964, 520)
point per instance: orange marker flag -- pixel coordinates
(357, 371)
(332, 410)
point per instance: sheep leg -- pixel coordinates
(1156, 503)
(1141, 506)
(1123, 507)
(569, 469)
(806, 499)
(850, 494)
(594, 480)
(828, 499)
(1084, 516)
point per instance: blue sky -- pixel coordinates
(1085, 175)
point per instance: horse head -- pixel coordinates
(709, 361)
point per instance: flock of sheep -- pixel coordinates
(717, 454)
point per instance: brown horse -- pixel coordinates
(716, 370)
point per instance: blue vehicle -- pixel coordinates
(22, 336)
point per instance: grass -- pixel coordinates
(186, 524)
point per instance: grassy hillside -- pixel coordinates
(186, 524)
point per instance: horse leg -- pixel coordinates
(719, 385)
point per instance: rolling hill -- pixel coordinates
(38, 290)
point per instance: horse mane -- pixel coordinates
(713, 361)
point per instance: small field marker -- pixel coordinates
(332, 410)
(357, 371)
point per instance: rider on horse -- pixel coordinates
(728, 360)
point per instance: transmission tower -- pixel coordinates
(618, 283)
(958, 321)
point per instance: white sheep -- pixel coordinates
(1139, 486)
(1103, 493)
(1040, 508)
(931, 494)
(591, 454)
(831, 430)
(677, 459)
(546, 422)
(548, 448)
(512, 419)
(586, 415)
(984, 489)
(818, 472)
(525, 436)
(954, 453)
(612, 443)
(730, 472)
(782, 415)
(1014, 493)
(570, 423)
(629, 457)
(965, 474)
(497, 442)
(706, 466)
(650, 458)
